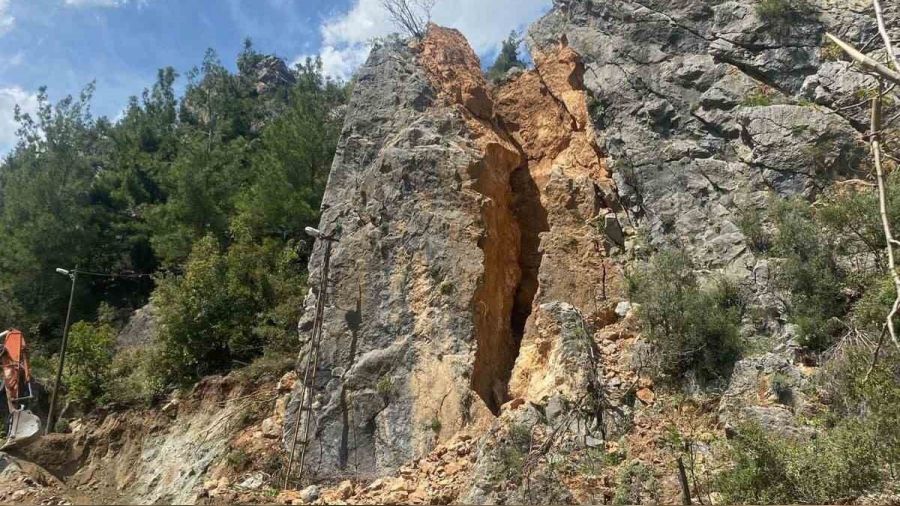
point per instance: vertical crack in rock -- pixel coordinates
(502, 302)
(514, 219)
(532, 220)
(496, 345)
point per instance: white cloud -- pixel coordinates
(6, 19)
(487, 22)
(9, 98)
(346, 38)
(339, 63)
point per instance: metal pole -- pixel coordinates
(62, 355)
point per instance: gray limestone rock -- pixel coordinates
(395, 365)
(689, 143)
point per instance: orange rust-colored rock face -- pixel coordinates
(544, 181)
(563, 251)
(545, 111)
(455, 72)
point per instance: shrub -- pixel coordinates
(636, 484)
(227, 307)
(62, 426)
(385, 386)
(135, 378)
(781, 387)
(832, 262)
(770, 9)
(831, 51)
(781, 12)
(750, 222)
(692, 328)
(197, 316)
(770, 469)
(88, 361)
(809, 271)
(511, 454)
(272, 364)
(871, 396)
(759, 97)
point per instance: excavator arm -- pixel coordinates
(23, 426)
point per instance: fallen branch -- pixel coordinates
(879, 68)
(882, 208)
(882, 29)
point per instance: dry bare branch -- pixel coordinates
(882, 209)
(879, 68)
(882, 29)
(411, 16)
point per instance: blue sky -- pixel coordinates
(65, 44)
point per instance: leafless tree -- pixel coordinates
(411, 16)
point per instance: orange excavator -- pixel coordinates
(23, 426)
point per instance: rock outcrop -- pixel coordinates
(483, 232)
(413, 197)
(140, 331)
(707, 110)
(470, 222)
(701, 111)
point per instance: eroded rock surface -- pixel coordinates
(483, 232)
(464, 214)
(705, 110)
(418, 198)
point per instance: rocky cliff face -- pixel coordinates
(709, 109)
(468, 221)
(706, 107)
(406, 197)
(483, 231)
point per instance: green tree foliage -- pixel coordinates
(88, 361)
(210, 192)
(293, 165)
(870, 395)
(693, 328)
(57, 211)
(810, 272)
(830, 262)
(771, 469)
(507, 58)
(856, 454)
(227, 307)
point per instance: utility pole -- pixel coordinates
(73, 275)
(312, 362)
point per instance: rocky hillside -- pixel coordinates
(480, 341)
(483, 231)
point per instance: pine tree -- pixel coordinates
(508, 57)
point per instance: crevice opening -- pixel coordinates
(513, 225)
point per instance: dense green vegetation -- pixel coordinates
(693, 328)
(829, 261)
(828, 269)
(857, 451)
(197, 203)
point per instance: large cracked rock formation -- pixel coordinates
(464, 214)
(483, 231)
